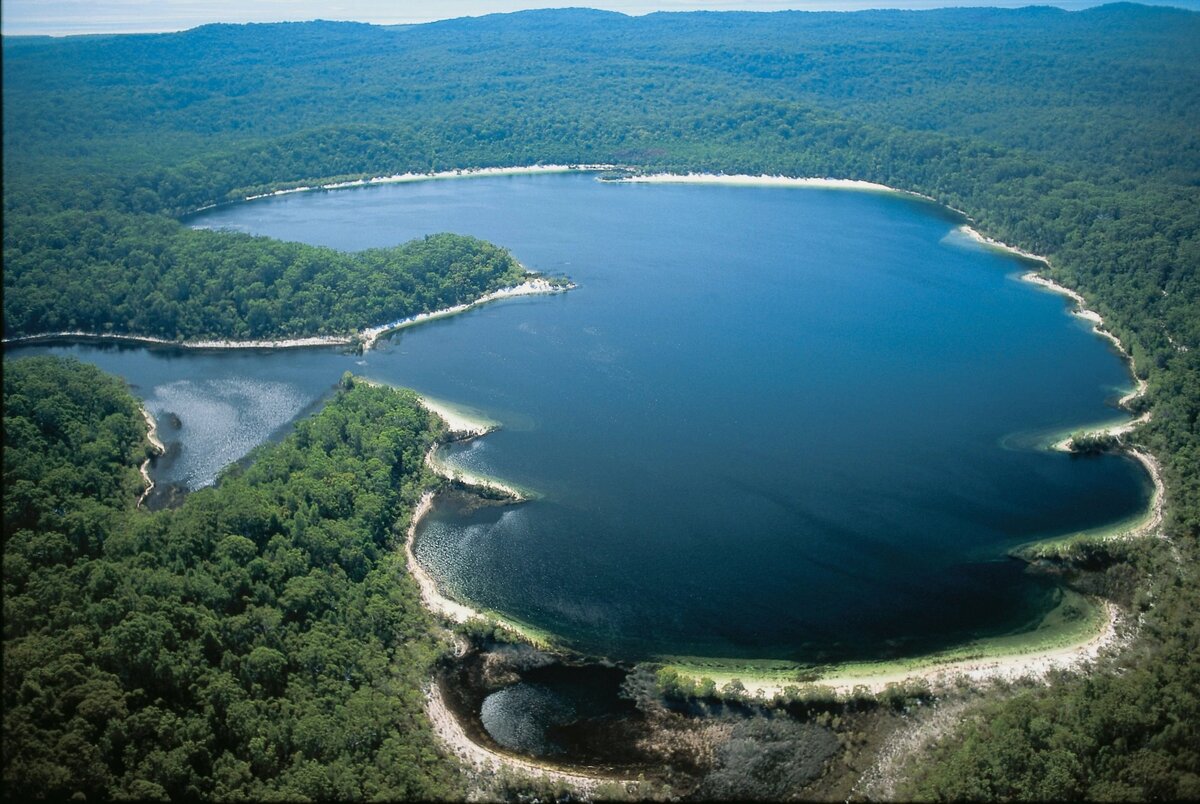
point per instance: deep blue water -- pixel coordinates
(777, 423)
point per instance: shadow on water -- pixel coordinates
(520, 700)
(613, 721)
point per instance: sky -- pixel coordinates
(64, 17)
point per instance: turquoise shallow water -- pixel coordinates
(773, 423)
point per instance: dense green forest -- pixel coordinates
(1073, 135)
(226, 285)
(263, 640)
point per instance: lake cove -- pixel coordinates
(804, 425)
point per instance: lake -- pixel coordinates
(800, 424)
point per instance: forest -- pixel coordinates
(1075, 135)
(199, 284)
(260, 641)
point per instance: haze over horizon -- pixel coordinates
(35, 17)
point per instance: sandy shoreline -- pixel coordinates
(1115, 430)
(459, 424)
(445, 725)
(434, 600)
(945, 675)
(1158, 500)
(461, 427)
(1151, 464)
(984, 240)
(1035, 664)
(452, 734)
(744, 180)
(404, 178)
(533, 287)
(1019, 665)
(283, 343)
(160, 449)
(458, 475)
(537, 286)
(1095, 319)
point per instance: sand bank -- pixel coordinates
(1095, 319)
(983, 240)
(434, 600)
(1150, 526)
(531, 287)
(460, 423)
(1115, 430)
(743, 180)
(451, 733)
(941, 674)
(367, 337)
(159, 448)
(457, 474)
(152, 432)
(404, 178)
(1035, 664)
(280, 343)
(464, 427)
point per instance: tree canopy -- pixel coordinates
(1071, 134)
(261, 641)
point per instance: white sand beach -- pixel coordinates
(454, 737)
(970, 232)
(460, 424)
(945, 675)
(434, 600)
(1035, 664)
(743, 180)
(159, 448)
(280, 343)
(532, 287)
(464, 173)
(1081, 310)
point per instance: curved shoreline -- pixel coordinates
(446, 725)
(1081, 309)
(537, 286)
(746, 180)
(370, 335)
(433, 599)
(159, 448)
(459, 427)
(1036, 663)
(946, 674)
(1003, 666)
(1148, 461)
(406, 178)
(454, 736)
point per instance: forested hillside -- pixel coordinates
(1074, 135)
(261, 641)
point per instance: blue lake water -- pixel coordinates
(774, 423)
